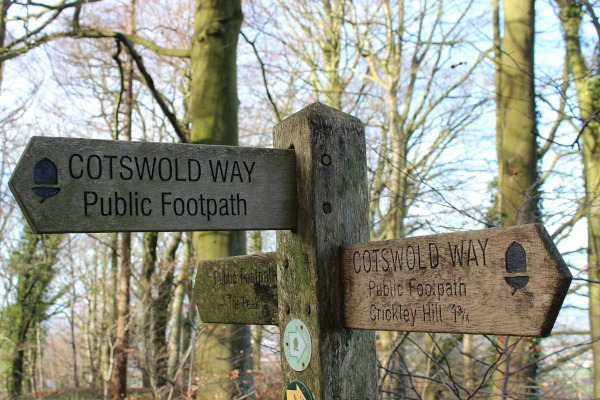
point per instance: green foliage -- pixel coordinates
(33, 263)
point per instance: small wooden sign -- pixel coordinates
(83, 185)
(238, 290)
(504, 281)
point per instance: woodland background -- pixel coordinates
(466, 129)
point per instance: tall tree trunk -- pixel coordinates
(17, 371)
(498, 97)
(213, 112)
(73, 339)
(256, 242)
(148, 269)
(3, 13)
(33, 263)
(109, 320)
(468, 351)
(517, 171)
(436, 346)
(31, 362)
(183, 277)
(39, 357)
(517, 148)
(118, 383)
(119, 374)
(161, 311)
(331, 49)
(588, 95)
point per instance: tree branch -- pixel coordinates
(264, 75)
(7, 53)
(150, 84)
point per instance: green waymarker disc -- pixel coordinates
(297, 344)
(297, 391)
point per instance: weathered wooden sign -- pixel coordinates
(83, 185)
(506, 281)
(238, 290)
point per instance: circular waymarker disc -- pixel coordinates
(297, 391)
(297, 344)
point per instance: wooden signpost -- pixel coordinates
(503, 281)
(326, 292)
(84, 185)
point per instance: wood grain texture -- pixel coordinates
(106, 186)
(332, 211)
(504, 281)
(238, 290)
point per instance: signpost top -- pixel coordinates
(84, 185)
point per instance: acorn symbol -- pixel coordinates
(45, 173)
(516, 262)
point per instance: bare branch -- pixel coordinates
(150, 83)
(8, 53)
(264, 75)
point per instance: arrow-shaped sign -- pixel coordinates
(84, 185)
(508, 281)
(237, 290)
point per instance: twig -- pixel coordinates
(264, 74)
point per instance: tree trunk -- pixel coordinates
(213, 112)
(256, 243)
(109, 320)
(72, 317)
(33, 263)
(18, 361)
(436, 346)
(588, 96)
(331, 49)
(119, 374)
(73, 339)
(517, 148)
(3, 13)
(161, 311)
(225, 348)
(175, 339)
(118, 383)
(468, 350)
(517, 170)
(39, 358)
(148, 268)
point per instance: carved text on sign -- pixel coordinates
(491, 281)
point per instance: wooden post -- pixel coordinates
(331, 170)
